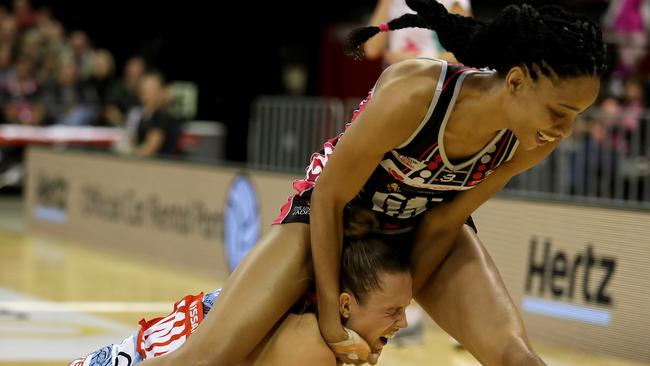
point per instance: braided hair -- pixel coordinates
(548, 39)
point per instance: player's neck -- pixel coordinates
(478, 109)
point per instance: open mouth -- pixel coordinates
(544, 138)
(386, 337)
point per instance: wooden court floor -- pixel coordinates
(60, 300)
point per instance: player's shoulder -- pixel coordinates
(420, 69)
(303, 330)
(413, 79)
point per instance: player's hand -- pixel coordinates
(373, 358)
(353, 350)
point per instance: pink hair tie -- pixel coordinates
(383, 27)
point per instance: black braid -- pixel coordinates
(548, 39)
(354, 42)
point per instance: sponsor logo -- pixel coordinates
(194, 316)
(241, 220)
(408, 162)
(300, 210)
(51, 198)
(393, 187)
(582, 277)
(140, 209)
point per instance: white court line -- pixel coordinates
(50, 336)
(84, 306)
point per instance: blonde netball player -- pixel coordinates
(376, 287)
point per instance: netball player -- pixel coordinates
(430, 144)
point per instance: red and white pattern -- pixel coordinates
(317, 162)
(319, 159)
(161, 335)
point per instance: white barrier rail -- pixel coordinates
(285, 131)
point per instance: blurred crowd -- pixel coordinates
(614, 136)
(50, 75)
(53, 76)
(609, 152)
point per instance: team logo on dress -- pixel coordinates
(408, 162)
(300, 210)
(393, 187)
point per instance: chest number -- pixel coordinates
(448, 177)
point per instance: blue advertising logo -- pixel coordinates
(241, 220)
(51, 198)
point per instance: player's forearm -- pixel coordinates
(326, 226)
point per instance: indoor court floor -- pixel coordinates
(61, 300)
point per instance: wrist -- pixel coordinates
(333, 333)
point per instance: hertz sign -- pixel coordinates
(578, 274)
(569, 277)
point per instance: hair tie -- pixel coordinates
(383, 27)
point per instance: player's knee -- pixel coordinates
(519, 353)
(519, 358)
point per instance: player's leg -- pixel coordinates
(467, 298)
(157, 336)
(264, 286)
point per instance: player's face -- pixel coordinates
(542, 111)
(383, 312)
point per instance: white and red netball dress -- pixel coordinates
(156, 336)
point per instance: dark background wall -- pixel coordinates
(234, 51)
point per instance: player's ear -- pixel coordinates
(345, 302)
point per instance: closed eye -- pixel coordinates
(397, 311)
(555, 114)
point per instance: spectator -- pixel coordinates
(4, 14)
(71, 101)
(102, 74)
(44, 19)
(31, 46)
(157, 133)
(123, 96)
(5, 63)
(81, 53)
(633, 104)
(8, 31)
(626, 24)
(49, 70)
(20, 95)
(411, 42)
(25, 16)
(54, 36)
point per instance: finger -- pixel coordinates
(373, 358)
(350, 359)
